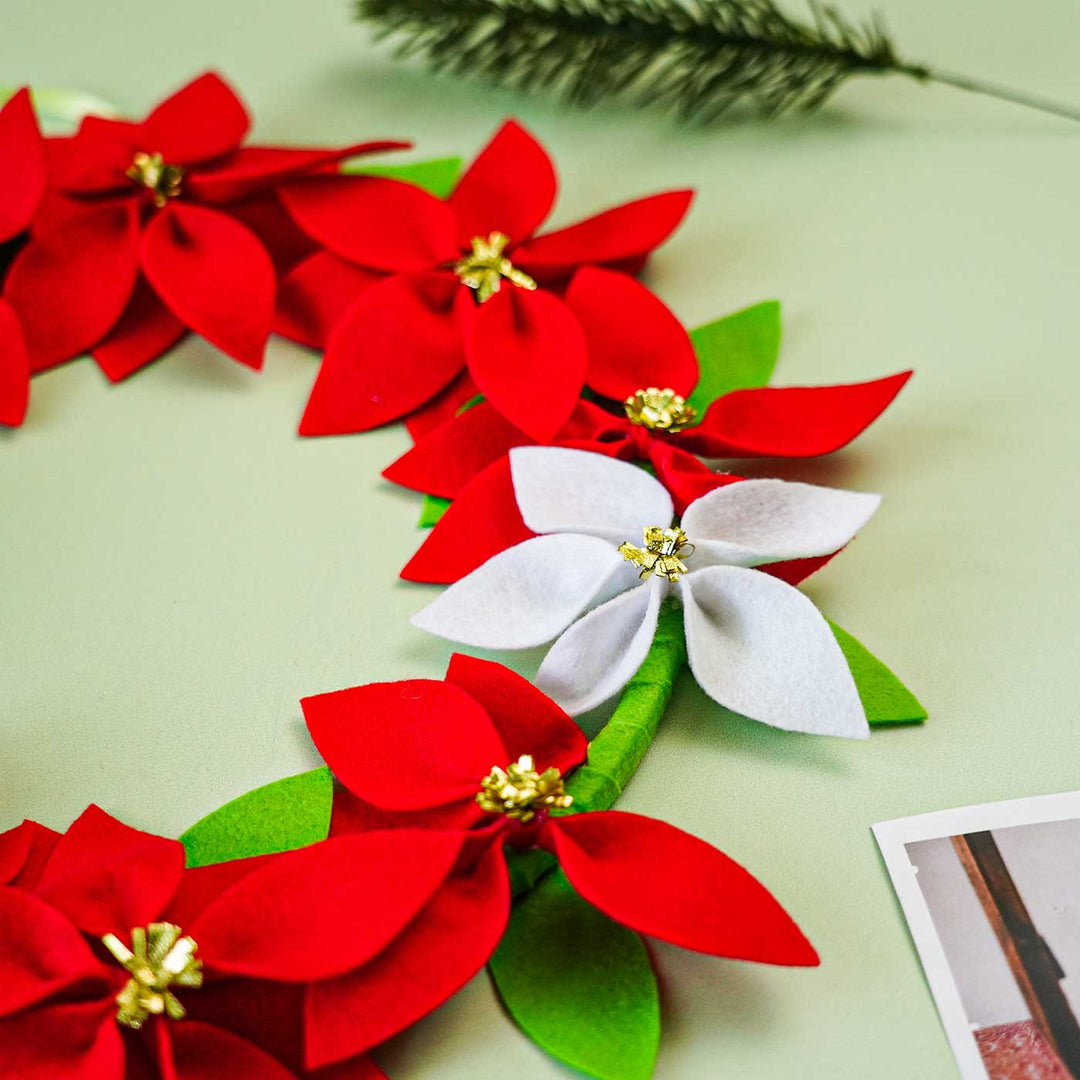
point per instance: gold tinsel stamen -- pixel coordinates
(160, 957)
(662, 554)
(153, 173)
(520, 792)
(484, 268)
(659, 410)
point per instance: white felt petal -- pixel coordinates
(599, 654)
(760, 648)
(561, 490)
(527, 594)
(760, 521)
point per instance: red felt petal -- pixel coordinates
(316, 295)
(63, 1042)
(455, 546)
(684, 475)
(527, 356)
(107, 877)
(796, 571)
(22, 165)
(41, 953)
(443, 947)
(283, 239)
(405, 745)
(792, 421)
(203, 120)
(145, 330)
(527, 720)
(661, 881)
(204, 1052)
(625, 232)
(634, 340)
(397, 346)
(254, 169)
(24, 851)
(321, 911)
(215, 277)
(509, 188)
(449, 401)
(377, 222)
(445, 460)
(353, 815)
(14, 368)
(202, 885)
(70, 285)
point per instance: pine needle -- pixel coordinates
(696, 58)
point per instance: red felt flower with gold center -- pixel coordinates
(481, 760)
(470, 286)
(151, 231)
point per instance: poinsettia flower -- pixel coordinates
(106, 951)
(486, 752)
(22, 187)
(656, 424)
(441, 285)
(606, 557)
(141, 244)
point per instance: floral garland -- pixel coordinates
(465, 822)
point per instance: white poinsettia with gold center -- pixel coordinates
(608, 554)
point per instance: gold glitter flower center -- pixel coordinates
(520, 792)
(160, 957)
(152, 172)
(484, 268)
(659, 410)
(662, 554)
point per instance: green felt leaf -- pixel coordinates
(432, 510)
(885, 698)
(736, 352)
(579, 985)
(437, 176)
(281, 816)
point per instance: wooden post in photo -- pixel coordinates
(1033, 965)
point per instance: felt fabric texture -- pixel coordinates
(317, 290)
(432, 510)
(751, 637)
(525, 349)
(620, 364)
(98, 231)
(58, 990)
(281, 816)
(791, 421)
(663, 882)
(736, 352)
(24, 850)
(22, 165)
(588, 996)
(460, 924)
(885, 698)
(455, 547)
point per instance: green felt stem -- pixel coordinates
(617, 750)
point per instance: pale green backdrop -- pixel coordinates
(178, 568)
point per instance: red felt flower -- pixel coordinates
(150, 234)
(465, 283)
(415, 754)
(22, 187)
(75, 1003)
(789, 422)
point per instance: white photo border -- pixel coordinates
(892, 838)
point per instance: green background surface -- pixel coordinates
(179, 569)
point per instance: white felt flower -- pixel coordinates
(756, 644)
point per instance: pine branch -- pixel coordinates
(697, 58)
